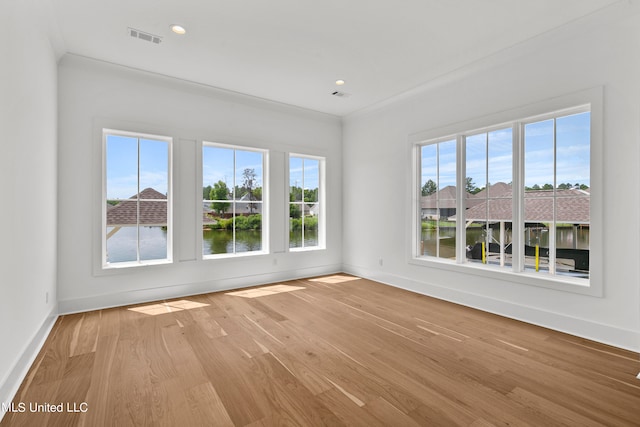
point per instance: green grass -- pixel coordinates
(251, 222)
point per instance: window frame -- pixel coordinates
(515, 118)
(104, 265)
(322, 245)
(265, 202)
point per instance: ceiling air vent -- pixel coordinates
(144, 36)
(340, 94)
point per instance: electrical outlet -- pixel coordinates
(380, 262)
(46, 298)
(275, 261)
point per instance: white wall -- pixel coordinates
(93, 94)
(28, 176)
(601, 50)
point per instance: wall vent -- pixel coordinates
(340, 94)
(144, 35)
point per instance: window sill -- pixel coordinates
(309, 249)
(558, 283)
(134, 264)
(237, 255)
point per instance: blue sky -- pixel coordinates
(122, 166)
(218, 165)
(572, 155)
(304, 172)
(572, 151)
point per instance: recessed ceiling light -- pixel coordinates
(340, 82)
(178, 29)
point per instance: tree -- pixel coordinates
(294, 211)
(257, 193)
(220, 191)
(311, 195)
(239, 192)
(429, 188)
(248, 181)
(295, 194)
(547, 187)
(206, 191)
(469, 186)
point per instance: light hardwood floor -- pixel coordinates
(334, 351)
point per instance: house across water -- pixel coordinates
(560, 215)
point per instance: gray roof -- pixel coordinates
(153, 210)
(443, 199)
(572, 206)
(446, 197)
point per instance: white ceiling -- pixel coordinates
(293, 51)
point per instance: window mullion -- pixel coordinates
(233, 204)
(461, 247)
(302, 206)
(438, 200)
(487, 230)
(552, 228)
(517, 224)
(418, 244)
(138, 207)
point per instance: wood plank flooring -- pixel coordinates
(335, 351)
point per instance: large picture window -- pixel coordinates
(306, 221)
(518, 193)
(136, 203)
(233, 208)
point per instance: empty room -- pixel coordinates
(250, 213)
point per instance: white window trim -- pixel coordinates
(106, 266)
(322, 243)
(533, 112)
(265, 202)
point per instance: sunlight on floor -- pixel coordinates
(338, 278)
(265, 290)
(167, 307)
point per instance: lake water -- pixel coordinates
(221, 241)
(533, 237)
(121, 247)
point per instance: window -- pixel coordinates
(438, 199)
(233, 210)
(556, 195)
(306, 217)
(488, 197)
(518, 193)
(137, 199)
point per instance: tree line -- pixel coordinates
(430, 187)
(220, 191)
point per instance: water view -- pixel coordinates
(122, 245)
(567, 239)
(221, 241)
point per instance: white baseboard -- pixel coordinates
(606, 334)
(9, 387)
(138, 296)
